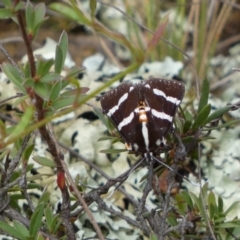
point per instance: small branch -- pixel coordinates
(65, 213)
(16, 160)
(82, 158)
(10, 98)
(9, 119)
(23, 185)
(102, 205)
(7, 55)
(46, 134)
(27, 43)
(85, 206)
(5, 189)
(142, 203)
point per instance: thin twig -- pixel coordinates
(45, 133)
(7, 55)
(16, 160)
(9, 119)
(80, 198)
(10, 98)
(102, 205)
(23, 185)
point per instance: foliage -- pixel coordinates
(44, 96)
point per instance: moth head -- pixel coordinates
(141, 110)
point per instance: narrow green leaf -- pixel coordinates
(39, 66)
(3, 153)
(106, 138)
(62, 103)
(36, 220)
(73, 72)
(24, 122)
(6, 13)
(227, 225)
(63, 44)
(204, 95)
(220, 205)
(11, 231)
(187, 198)
(188, 139)
(56, 222)
(218, 113)
(29, 17)
(211, 198)
(201, 117)
(93, 5)
(117, 139)
(113, 151)
(40, 237)
(74, 92)
(7, 3)
(46, 66)
(29, 82)
(3, 131)
(50, 77)
(43, 66)
(211, 205)
(21, 228)
(172, 220)
(101, 116)
(220, 220)
(42, 90)
(232, 207)
(227, 124)
(19, 6)
(153, 237)
(44, 161)
(27, 70)
(180, 204)
(73, 13)
(39, 13)
(188, 121)
(55, 91)
(28, 151)
(14, 76)
(204, 191)
(59, 61)
(49, 217)
(199, 205)
(65, 82)
(44, 197)
(195, 200)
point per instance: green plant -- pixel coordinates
(44, 97)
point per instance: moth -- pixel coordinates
(143, 113)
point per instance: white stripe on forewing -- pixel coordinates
(170, 99)
(161, 115)
(145, 135)
(125, 121)
(115, 108)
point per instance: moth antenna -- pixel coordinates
(128, 174)
(168, 167)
